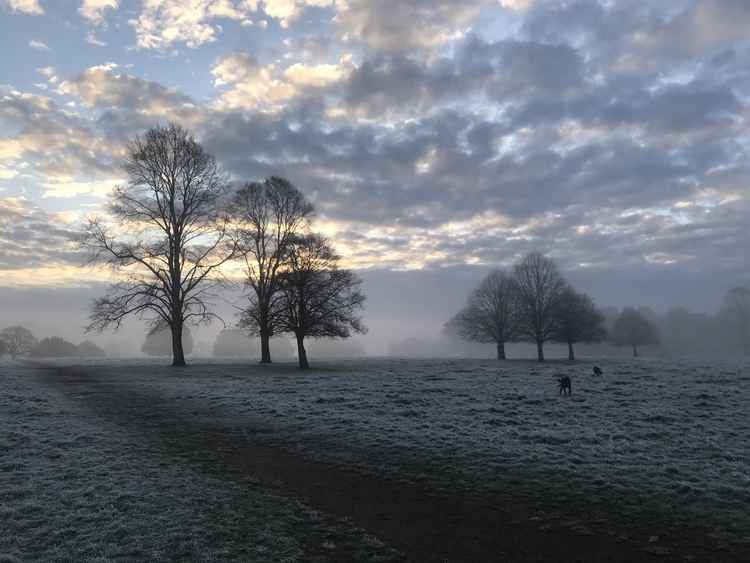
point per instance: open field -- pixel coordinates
(117, 461)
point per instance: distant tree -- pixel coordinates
(233, 343)
(316, 297)
(269, 215)
(577, 320)
(633, 329)
(3, 348)
(54, 347)
(18, 341)
(540, 286)
(491, 314)
(88, 349)
(171, 238)
(735, 315)
(158, 341)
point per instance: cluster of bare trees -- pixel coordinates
(533, 303)
(179, 222)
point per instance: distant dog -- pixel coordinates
(597, 370)
(566, 385)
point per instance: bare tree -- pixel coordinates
(540, 286)
(17, 340)
(735, 315)
(318, 299)
(269, 215)
(577, 320)
(633, 329)
(171, 236)
(490, 314)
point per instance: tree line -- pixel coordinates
(534, 303)
(18, 341)
(178, 223)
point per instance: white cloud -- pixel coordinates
(256, 86)
(518, 5)
(69, 187)
(25, 6)
(92, 39)
(38, 45)
(93, 10)
(162, 23)
(7, 173)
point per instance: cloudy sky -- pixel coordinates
(437, 138)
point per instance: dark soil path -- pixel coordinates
(422, 523)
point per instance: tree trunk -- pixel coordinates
(501, 350)
(178, 353)
(540, 350)
(635, 351)
(301, 352)
(265, 348)
(571, 354)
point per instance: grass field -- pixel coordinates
(650, 453)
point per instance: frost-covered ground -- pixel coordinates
(649, 448)
(75, 488)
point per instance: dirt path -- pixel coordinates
(423, 524)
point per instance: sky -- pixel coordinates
(437, 138)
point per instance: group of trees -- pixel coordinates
(19, 341)
(534, 303)
(179, 221)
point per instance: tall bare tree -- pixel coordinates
(169, 239)
(735, 315)
(633, 329)
(269, 215)
(577, 320)
(491, 313)
(317, 298)
(540, 286)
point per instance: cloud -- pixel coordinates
(50, 141)
(32, 7)
(102, 87)
(402, 25)
(70, 188)
(269, 87)
(93, 10)
(30, 237)
(38, 45)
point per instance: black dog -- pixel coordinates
(566, 385)
(597, 370)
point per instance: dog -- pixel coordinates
(597, 370)
(566, 385)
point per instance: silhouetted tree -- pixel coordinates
(269, 215)
(54, 347)
(158, 341)
(577, 320)
(18, 341)
(491, 313)
(316, 297)
(3, 348)
(633, 329)
(735, 315)
(540, 286)
(171, 238)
